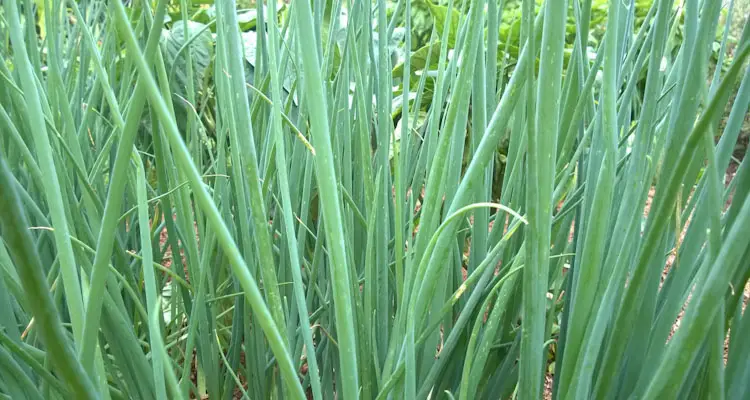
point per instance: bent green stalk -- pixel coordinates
(203, 198)
(112, 208)
(53, 193)
(17, 235)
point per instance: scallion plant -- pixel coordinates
(289, 201)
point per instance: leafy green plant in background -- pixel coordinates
(427, 14)
(263, 201)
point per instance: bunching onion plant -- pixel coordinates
(290, 200)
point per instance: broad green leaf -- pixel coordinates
(176, 43)
(440, 16)
(250, 44)
(247, 19)
(418, 60)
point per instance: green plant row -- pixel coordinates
(213, 200)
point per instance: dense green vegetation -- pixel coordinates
(388, 199)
